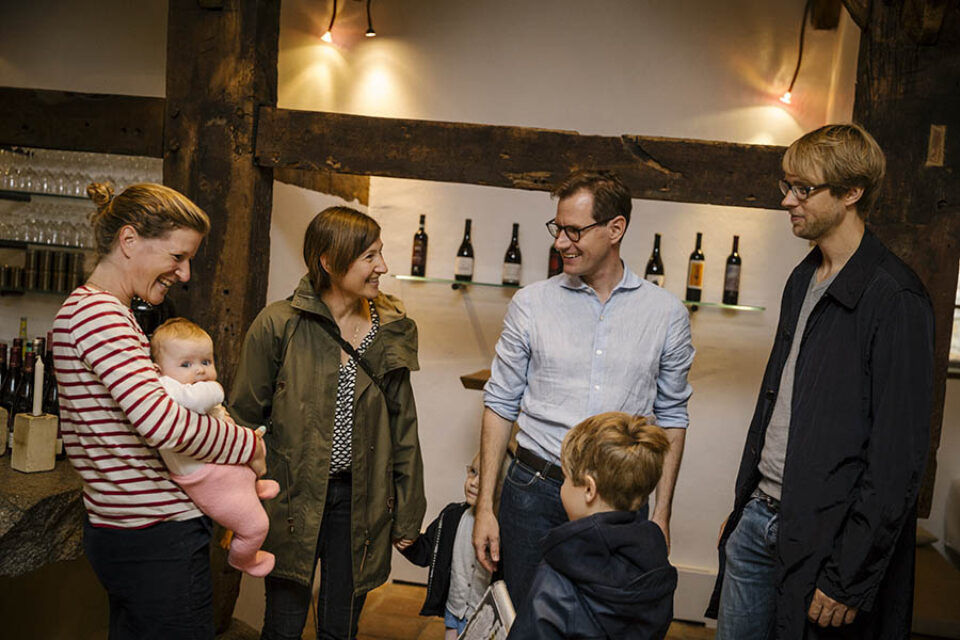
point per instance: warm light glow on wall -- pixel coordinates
(380, 85)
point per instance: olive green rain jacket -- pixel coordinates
(287, 380)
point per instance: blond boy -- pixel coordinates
(604, 574)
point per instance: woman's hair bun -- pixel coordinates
(101, 193)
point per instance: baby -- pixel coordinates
(230, 494)
(456, 582)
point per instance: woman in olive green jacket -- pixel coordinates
(342, 444)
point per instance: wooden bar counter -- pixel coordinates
(41, 517)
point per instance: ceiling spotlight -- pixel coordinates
(370, 32)
(328, 36)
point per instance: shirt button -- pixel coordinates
(597, 387)
(599, 351)
(601, 317)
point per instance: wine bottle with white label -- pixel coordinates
(654, 272)
(695, 272)
(463, 265)
(512, 260)
(731, 276)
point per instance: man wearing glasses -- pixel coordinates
(821, 539)
(595, 338)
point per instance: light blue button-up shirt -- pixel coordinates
(564, 356)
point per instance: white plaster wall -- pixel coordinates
(687, 69)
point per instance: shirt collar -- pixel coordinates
(629, 280)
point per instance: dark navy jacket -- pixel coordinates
(859, 432)
(604, 576)
(434, 549)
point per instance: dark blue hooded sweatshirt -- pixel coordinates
(604, 576)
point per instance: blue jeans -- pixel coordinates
(529, 507)
(749, 591)
(157, 579)
(338, 611)
(451, 621)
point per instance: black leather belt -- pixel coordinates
(341, 476)
(538, 464)
(770, 501)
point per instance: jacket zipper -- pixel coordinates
(433, 559)
(366, 547)
(289, 509)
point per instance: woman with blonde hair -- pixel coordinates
(145, 539)
(328, 371)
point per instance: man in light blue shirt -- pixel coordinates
(595, 338)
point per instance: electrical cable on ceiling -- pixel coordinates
(370, 32)
(785, 98)
(328, 36)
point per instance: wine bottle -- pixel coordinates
(146, 315)
(512, 260)
(23, 402)
(8, 394)
(695, 272)
(731, 277)
(418, 263)
(4, 372)
(654, 272)
(22, 334)
(555, 265)
(51, 394)
(463, 265)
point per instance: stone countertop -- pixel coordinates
(41, 517)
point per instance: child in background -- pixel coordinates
(230, 494)
(604, 574)
(456, 581)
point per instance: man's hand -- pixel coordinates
(665, 527)
(827, 612)
(486, 539)
(259, 460)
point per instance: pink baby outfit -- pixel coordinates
(223, 491)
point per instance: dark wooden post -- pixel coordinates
(908, 98)
(221, 67)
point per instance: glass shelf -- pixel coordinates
(456, 284)
(718, 305)
(21, 291)
(6, 243)
(27, 196)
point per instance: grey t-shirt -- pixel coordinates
(775, 443)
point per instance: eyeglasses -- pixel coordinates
(573, 233)
(800, 191)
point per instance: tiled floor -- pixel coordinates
(391, 613)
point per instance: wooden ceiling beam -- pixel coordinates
(720, 173)
(99, 123)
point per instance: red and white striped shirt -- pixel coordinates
(115, 415)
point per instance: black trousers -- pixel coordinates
(157, 579)
(337, 610)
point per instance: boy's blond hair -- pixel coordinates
(622, 453)
(172, 329)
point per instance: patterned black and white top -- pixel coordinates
(341, 456)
